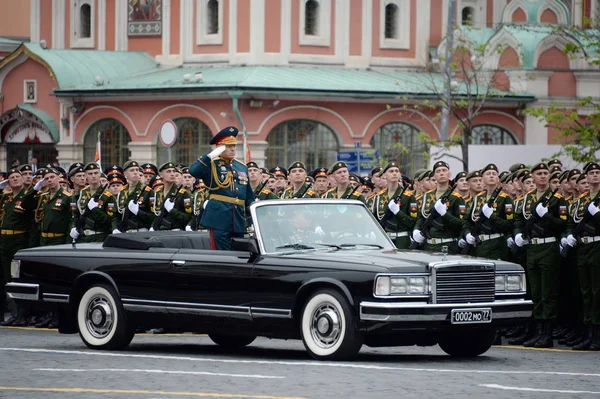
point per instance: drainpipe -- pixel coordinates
(235, 95)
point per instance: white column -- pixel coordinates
(34, 21)
(588, 83)
(121, 10)
(577, 13)
(536, 132)
(258, 151)
(257, 31)
(142, 152)
(3, 154)
(58, 24)
(101, 24)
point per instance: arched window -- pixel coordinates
(85, 21)
(467, 16)
(114, 139)
(400, 142)
(193, 137)
(302, 140)
(311, 18)
(213, 17)
(490, 134)
(391, 21)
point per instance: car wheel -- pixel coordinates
(328, 328)
(232, 341)
(101, 319)
(467, 343)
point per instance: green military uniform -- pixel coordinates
(53, 217)
(182, 212)
(400, 225)
(101, 221)
(303, 192)
(264, 194)
(199, 197)
(142, 194)
(349, 193)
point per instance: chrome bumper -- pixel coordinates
(421, 311)
(30, 292)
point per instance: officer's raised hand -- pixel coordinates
(217, 152)
(38, 186)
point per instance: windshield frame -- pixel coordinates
(308, 201)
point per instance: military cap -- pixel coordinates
(573, 172)
(149, 169)
(297, 165)
(336, 166)
(155, 181)
(503, 174)
(439, 164)
(226, 136)
(555, 161)
(263, 170)
(252, 164)
(116, 178)
(564, 175)
(474, 173)
(279, 171)
(368, 182)
(91, 166)
(525, 175)
(555, 168)
(489, 166)
(309, 179)
(555, 175)
(3, 175)
(418, 173)
(40, 172)
(271, 175)
(130, 164)
(185, 170)
(26, 167)
(319, 172)
(518, 166)
(167, 165)
(76, 165)
(75, 170)
(425, 174)
(376, 170)
(540, 166)
(60, 169)
(591, 166)
(506, 177)
(198, 183)
(391, 164)
(12, 171)
(580, 177)
(354, 178)
(113, 169)
(460, 175)
(44, 171)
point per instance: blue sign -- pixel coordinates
(360, 160)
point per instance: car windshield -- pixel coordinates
(285, 226)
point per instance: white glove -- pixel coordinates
(151, 229)
(205, 203)
(169, 205)
(216, 152)
(319, 231)
(418, 236)
(592, 209)
(3, 184)
(74, 234)
(134, 207)
(470, 238)
(92, 204)
(394, 207)
(188, 228)
(38, 186)
(541, 210)
(462, 243)
(519, 240)
(487, 210)
(440, 208)
(116, 231)
(571, 241)
(510, 242)
(563, 242)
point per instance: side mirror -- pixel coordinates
(245, 245)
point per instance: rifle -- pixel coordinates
(351, 192)
(534, 217)
(259, 188)
(481, 220)
(432, 215)
(87, 213)
(579, 229)
(163, 211)
(306, 188)
(128, 213)
(388, 213)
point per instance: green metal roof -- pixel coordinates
(44, 117)
(5, 40)
(532, 7)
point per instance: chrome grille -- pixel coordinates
(464, 283)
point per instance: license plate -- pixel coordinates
(471, 316)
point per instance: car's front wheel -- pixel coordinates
(328, 327)
(232, 341)
(101, 319)
(467, 343)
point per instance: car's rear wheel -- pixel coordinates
(232, 341)
(328, 327)
(467, 343)
(101, 319)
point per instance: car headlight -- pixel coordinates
(510, 282)
(15, 268)
(401, 285)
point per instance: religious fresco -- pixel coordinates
(145, 17)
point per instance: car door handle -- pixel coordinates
(178, 263)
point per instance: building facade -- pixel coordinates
(306, 79)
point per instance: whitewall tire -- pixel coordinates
(328, 327)
(101, 319)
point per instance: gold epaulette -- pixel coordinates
(502, 195)
(332, 190)
(356, 194)
(519, 198)
(583, 195)
(531, 192)
(67, 193)
(159, 189)
(456, 194)
(147, 188)
(310, 192)
(371, 195)
(430, 191)
(107, 193)
(182, 191)
(558, 195)
(265, 191)
(408, 193)
(381, 192)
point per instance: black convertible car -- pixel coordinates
(318, 270)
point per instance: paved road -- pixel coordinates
(44, 364)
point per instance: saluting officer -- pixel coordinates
(173, 202)
(102, 216)
(134, 201)
(543, 260)
(343, 190)
(230, 192)
(298, 188)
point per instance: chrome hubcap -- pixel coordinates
(326, 326)
(99, 316)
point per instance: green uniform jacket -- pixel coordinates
(145, 215)
(199, 197)
(16, 210)
(448, 226)
(355, 195)
(553, 224)
(103, 219)
(502, 220)
(406, 218)
(182, 212)
(54, 213)
(577, 211)
(308, 193)
(264, 194)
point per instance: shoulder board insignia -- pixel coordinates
(557, 195)
(147, 188)
(159, 188)
(123, 188)
(265, 191)
(430, 191)
(482, 192)
(583, 195)
(67, 193)
(85, 188)
(182, 191)
(456, 194)
(381, 192)
(502, 195)
(107, 193)
(355, 194)
(310, 192)
(408, 193)
(531, 192)
(332, 190)
(519, 198)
